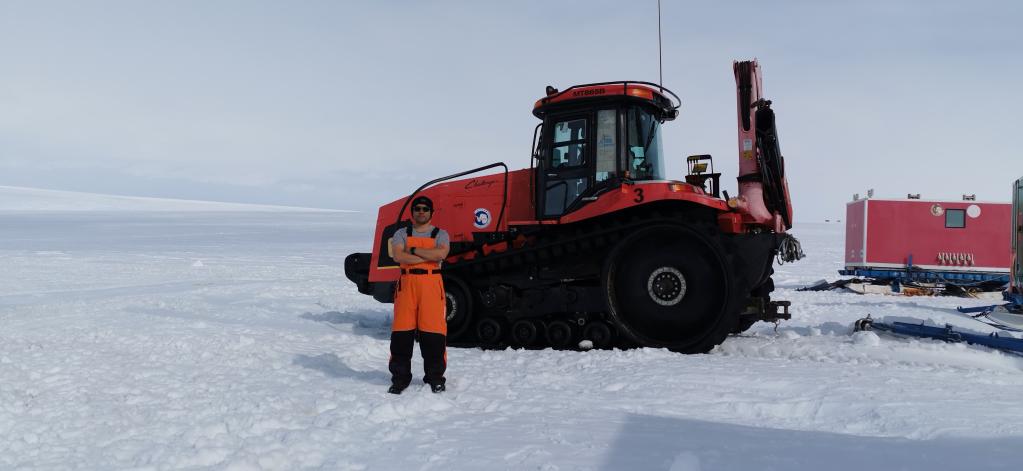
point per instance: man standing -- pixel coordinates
(419, 302)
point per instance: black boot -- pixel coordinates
(432, 347)
(438, 387)
(400, 363)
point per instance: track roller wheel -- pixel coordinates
(523, 333)
(673, 286)
(489, 332)
(599, 333)
(458, 305)
(559, 334)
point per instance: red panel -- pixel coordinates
(898, 229)
(855, 231)
(644, 193)
(456, 205)
(730, 223)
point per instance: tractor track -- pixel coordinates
(584, 238)
(588, 243)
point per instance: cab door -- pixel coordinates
(566, 170)
(579, 159)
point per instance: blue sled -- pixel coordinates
(913, 274)
(1008, 316)
(947, 334)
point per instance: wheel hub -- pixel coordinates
(666, 286)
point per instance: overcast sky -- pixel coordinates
(352, 104)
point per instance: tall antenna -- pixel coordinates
(660, 62)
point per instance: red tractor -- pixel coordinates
(594, 242)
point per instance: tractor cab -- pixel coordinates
(594, 137)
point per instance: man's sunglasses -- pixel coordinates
(421, 209)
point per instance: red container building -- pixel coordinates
(954, 242)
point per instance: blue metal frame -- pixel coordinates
(1015, 299)
(947, 334)
(888, 275)
(981, 313)
(971, 310)
(1014, 304)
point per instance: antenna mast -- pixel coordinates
(660, 62)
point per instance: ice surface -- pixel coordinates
(13, 198)
(171, 340)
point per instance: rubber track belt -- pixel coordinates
(569, 240)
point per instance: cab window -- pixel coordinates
(569, 149)
(607, 143)
(644, 159)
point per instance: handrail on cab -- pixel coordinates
(504, 197)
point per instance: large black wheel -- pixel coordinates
(459, 307)
(673, 286)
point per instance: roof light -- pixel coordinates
(641, 92)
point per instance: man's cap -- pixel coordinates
(422, 200)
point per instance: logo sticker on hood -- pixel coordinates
(482, 218)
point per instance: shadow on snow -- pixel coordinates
(648, 442)
(369, 323)
(331, 365)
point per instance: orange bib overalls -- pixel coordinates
(419, 311)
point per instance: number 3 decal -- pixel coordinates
(639, 195)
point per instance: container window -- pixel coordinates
(955, 218)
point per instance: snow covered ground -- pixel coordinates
(14, 198)
(232, 340)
